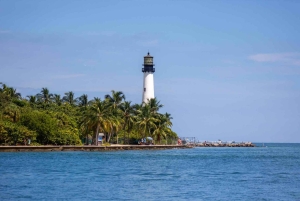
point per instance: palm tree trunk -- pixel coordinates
(124, 126)
(109, 135)
(96, 134)
(87, 139)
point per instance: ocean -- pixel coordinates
(221, 173)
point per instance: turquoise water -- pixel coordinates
(261, 173)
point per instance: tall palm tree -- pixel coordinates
(127, 111)
(154, 105)
(83, 100)
(94, 100)
(32, 100)
(44, 96)
(115, 100)
(146, 120)
(85, 129)
(57, 99)
(9, 91)
(70, 98)
(98, 116)
(115, 123)
(86, 124)
(4, 87)
(163, 127)
(13, 93)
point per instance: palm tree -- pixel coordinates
(9, 91)
(154, 105)
(13, 93)
(98, 116)
(4, 87)
(146, 120)
(115, 101)
(163, 126)
(116, 98)
(115, 123)
(83, 100)
(85, 129)
(127, 111)
(69, 98)
(32, 100)
(44, 96)
(57, 99)
(94, 100)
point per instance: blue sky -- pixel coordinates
(226, 70)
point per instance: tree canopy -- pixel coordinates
(46, 118)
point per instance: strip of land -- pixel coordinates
(88, 148)
(114, 147)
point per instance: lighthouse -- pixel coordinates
(148, 70)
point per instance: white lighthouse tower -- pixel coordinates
(148, 70)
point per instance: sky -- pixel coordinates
(226, 70)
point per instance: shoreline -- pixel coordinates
(47, 148)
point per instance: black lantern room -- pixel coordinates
(148, 64)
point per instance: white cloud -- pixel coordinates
(292, 58)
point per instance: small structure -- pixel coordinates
(100, 138)
(146, 141)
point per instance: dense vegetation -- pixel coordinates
(47, 118)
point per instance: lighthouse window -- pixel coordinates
(144, 89)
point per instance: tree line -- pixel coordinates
(47, 118)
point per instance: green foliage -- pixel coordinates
(11, 112)
(45, 118)
(12, 133)
(34, 144)
(52, 127)
(20, 103)
(106, 144)
(42, 123)
(4, 99)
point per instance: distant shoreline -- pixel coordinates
(216, 144)
(47, 148)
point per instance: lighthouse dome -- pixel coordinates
(148, 55)
(148, 60)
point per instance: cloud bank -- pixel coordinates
(291, 58)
